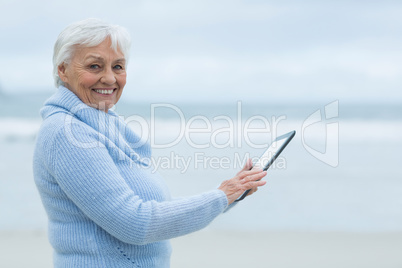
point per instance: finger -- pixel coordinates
(255, 184)
(252, 172)
(247, 166)
(253, 190)
(254, 177)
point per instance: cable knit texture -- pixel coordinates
(106, 207)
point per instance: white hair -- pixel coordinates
(89, 33)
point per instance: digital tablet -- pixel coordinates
(269, 156)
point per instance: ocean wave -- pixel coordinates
(201, 131)
(18, 129)
(348, 130)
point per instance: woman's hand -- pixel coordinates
(244, 180)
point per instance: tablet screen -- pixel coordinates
(270, 154)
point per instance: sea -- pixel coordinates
(341, 172)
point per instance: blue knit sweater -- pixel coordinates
(106, 207)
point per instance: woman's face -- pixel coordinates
(97, 75)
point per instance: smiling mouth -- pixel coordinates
(104, 91)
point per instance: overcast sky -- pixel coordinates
(222, 49)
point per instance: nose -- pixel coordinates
(108, 77)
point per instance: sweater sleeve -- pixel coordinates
(90, 178)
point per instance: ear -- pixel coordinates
(62, 72)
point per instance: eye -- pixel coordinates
(118, 67)
(94, 66)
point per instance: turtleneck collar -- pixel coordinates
(110, 125)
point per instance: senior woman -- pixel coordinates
(105, 207)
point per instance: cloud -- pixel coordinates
(225, 48)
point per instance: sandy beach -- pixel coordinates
(238, 249)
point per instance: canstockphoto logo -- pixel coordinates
(327, 121)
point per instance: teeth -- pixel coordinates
(104, 91)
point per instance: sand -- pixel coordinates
(238, 249)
